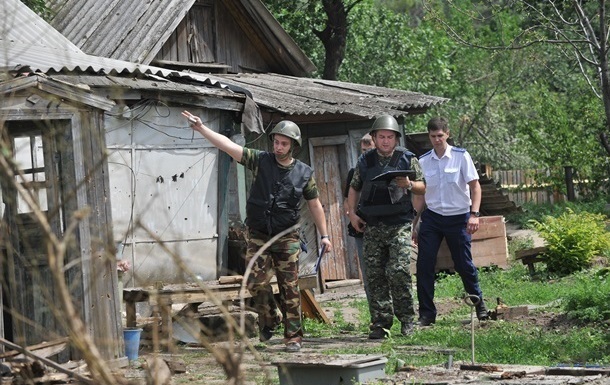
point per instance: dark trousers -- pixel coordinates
(433, 228)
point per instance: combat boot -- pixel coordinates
(482, 313)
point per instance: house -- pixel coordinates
(241, 44)
(55, 130)
(106, 134)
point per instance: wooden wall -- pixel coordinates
(526, 186)
(76, 178)
(210, 34)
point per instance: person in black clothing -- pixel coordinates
(379, 202)
(280, 183)
(366, 143)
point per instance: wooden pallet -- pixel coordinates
(224, 289)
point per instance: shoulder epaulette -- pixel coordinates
(426, 154)
(458, 149)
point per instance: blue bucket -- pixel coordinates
(132, 342)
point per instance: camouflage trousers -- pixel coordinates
(387, 255)
(282, 260)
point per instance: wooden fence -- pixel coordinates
(526, 186)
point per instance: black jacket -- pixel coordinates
(273, 204)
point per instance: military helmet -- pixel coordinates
(386, 122)
(287, 128)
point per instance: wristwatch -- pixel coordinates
(475, 213)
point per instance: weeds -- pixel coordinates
(533, 340)
(539, 211)
(589, 300)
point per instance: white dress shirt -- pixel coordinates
(447, 190)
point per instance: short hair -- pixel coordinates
(366, 140)
(438, 123)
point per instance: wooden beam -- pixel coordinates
(74, 93)
(46, 361)
(311, 308)
(44, 349)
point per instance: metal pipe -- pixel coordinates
(472, 301)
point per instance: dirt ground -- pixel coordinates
(202, 368)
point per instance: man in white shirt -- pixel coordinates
(450, 210)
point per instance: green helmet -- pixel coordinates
(287, 128)
(386, 122)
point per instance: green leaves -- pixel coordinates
(573, 240)
(40, 7)
(527, 108)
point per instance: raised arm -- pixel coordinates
(223, 143)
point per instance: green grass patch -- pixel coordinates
(584, 296)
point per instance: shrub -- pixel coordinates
(573, 240)
(537, 212)
(589, 300)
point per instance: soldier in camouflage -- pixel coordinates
(280, 183)
(382, 209)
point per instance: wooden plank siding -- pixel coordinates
(525, 186)
(213, 32)
(328, 179)
(103, 316)
(75, 177)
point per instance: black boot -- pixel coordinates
(377, 333)
(482, 313)
(406, 328)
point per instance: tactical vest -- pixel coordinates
(375, 201)
(273, 204)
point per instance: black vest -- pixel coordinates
(275, 196)
(375, 202)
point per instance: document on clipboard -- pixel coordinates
(389, 175)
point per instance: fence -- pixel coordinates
(525, 186)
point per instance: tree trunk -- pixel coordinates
(605, 79)
(333, 37)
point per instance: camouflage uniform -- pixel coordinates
(387, 255)
(280, 259)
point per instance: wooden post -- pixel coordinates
(569, 183)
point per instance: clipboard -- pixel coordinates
(389, 175)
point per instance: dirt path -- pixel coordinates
(202, 368)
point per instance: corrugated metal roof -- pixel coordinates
(157, 85)
(37, 45)
(136, 30)
(126, 30)
(306, 96)
(47, 59)
(27, 40)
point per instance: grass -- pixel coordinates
(583, 299)
(580, 303)
(537, 212)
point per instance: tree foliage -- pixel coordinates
(574, 32)
(38, 6)
(512, 108)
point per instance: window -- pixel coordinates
(28, 155)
